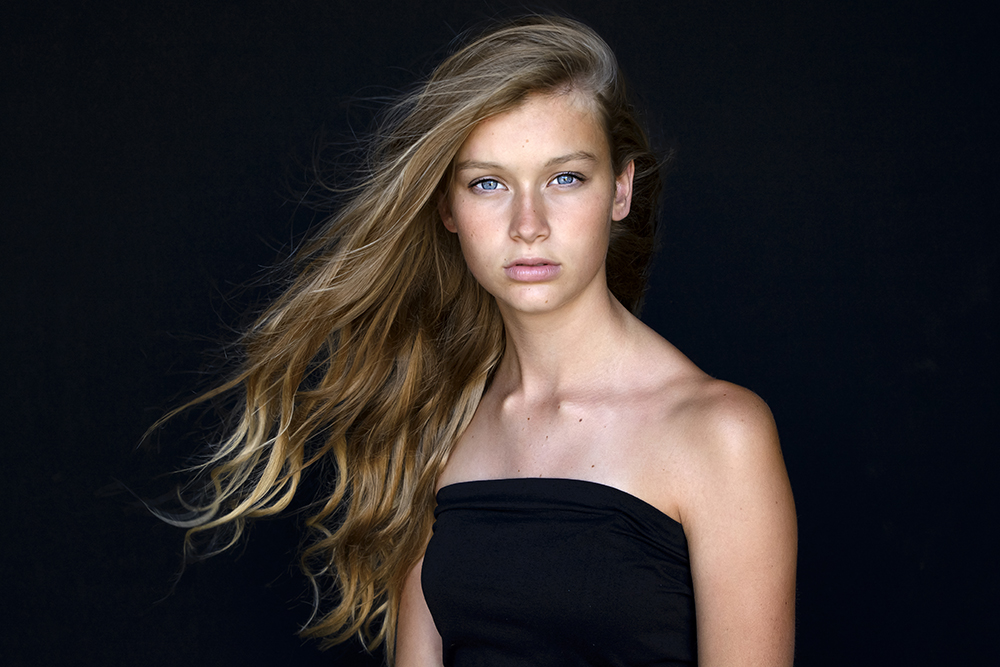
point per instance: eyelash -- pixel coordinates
(475, 185)
(578, 178)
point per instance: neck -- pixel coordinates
(550, 354)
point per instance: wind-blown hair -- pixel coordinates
(376, 356)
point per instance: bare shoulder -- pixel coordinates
(735, 503)
(724, 438)
(698, 417)
(697, 435)
(722, 420)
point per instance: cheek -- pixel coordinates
(476, 225)
(596, 216)
(476, 257)
(465, 216)
(480, 271)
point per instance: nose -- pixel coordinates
(529, 222)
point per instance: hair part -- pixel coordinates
(375, 358)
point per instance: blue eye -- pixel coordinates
(567, 179)
(486, 184)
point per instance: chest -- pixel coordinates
(564, 440)
(536, 571)
(600, 441)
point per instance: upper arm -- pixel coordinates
(418, 643)
(739, 518)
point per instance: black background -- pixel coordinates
(828, 241)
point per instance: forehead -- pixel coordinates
(544, 125)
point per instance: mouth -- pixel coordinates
(530, 261)
(532, 269)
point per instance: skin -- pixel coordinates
(586, 391)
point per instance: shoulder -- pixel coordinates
(698, 435)
(697, 416)
(726, 446)
(686, 402)
(735, 503)
(723, 421)
(711, 459)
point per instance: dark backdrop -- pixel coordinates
(828, 241)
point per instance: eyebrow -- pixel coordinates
(572, 157)
(562, 159)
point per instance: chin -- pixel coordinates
(532, 304)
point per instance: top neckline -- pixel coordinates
(569, 483)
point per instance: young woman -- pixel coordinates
(464, 329)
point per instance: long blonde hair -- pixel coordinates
(375, 358)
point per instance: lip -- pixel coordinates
(531, 269)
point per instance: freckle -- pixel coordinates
(591, 465)
(581, 418)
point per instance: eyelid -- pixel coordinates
(580, 178)
(473, 185)
(485, 179)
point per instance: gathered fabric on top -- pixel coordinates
(543, 571)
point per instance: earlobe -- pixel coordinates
(623, 193)
(444, 210)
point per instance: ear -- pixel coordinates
(444, 210)
(623, 193)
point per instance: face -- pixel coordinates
(532, 198)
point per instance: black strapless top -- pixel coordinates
(539, 572)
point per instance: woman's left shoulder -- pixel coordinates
(692, 413)
(700, 436)
(721, 419)
(735, 503)
(728, 456)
